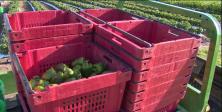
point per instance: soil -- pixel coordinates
(5, 65)
(22, 6)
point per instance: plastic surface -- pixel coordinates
(164, 108)
(158, 104)
(97, 93)
(161, 82)
(168, 44)
(167, 63)
(164, 38)
(161, 74)
(45, 24)
(155, 60)
(103, 15)
(47, 42)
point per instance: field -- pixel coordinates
(9, 82)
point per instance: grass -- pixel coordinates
(203, 51)
(9, 82)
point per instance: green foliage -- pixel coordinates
(213, 7)
(49, 74)
(81, 68)
(38, 6)
(2, 90)
(79, 4)
(210, 6)
(4, 43)
(203, 51)
(13, 7)
(185, 23)
(2, 106)
(86, 68)
(62, 5)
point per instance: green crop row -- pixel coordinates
(62, 5)
(13, 7)
(80, 4)
(38, 6)
(210, 6)
(154, 11)
(164, 13)
(4, 43)
(129, 7)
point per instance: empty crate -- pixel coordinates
(103, 15)
(45, 24)
(143, 39)
(162, 58)
(47, 42)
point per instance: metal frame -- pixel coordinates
(197, 100)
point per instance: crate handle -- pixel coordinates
(21, 74)
(93, 17)
(147, 44)
(173, 32)
(81, 17)
(116, 41)
(107, 59)
(7, 23)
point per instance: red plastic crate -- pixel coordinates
(153, 38)
(167, 84)
(45, 24)
(47, 42)
(168, 108)
(159, 104)
(156, 93)
(157, 76)
(141, 65)
(140, 96)
(97, 93)
(137, 65)
(139, 76)
(103, 15)
(164, 105)
(145, 86)
(169, 57)
(161, 74)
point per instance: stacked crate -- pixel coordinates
(161, 56)
(34, 30)
(40, 40)
(27, 30)
(166, 68)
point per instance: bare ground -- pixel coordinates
(5, 65)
